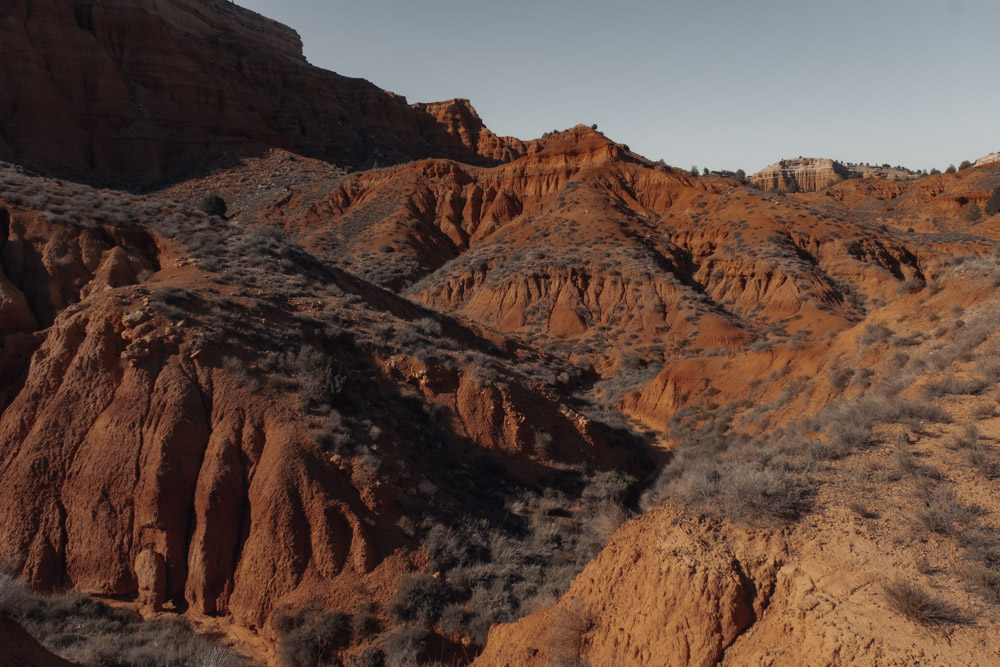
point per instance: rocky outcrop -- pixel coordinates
(134, 92)
(811, 174)
(166, 481)
(808, 174)
(992, 158)
(457, 128)
(691, 594)
(676, 589)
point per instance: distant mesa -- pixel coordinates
(810, 174)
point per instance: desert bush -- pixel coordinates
(840, 378)
(749, 490)
(495, 571)
(311, 636)
(364, 622)
(319, 380)
(84, 630)
(420, 597)
(953, 385)
(973, 212)
(984, 461)
(983, 578)
(965, 438)
(332, 434)
(860, 509)
(911, 286)
(370, 657)
(405, 646)
(566, 632)
(993, 203)
(543, 445)
(874, 333)
(213, 204)
(917, 604)
(914, 412)
(943, 513)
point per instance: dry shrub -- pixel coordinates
(952, 385)
(605, 521)
(567, 630)
(88, 631)
(984, 579)
(943, 513)
(917, 604)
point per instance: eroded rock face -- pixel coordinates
(807, 174)
(988, 159)
(143, 474)
(134, 92)
(665, 591)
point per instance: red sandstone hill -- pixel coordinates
(401, 411)
(127, 92)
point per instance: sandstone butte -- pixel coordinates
(515, 402)
(811, 174)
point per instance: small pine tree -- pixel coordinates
(741, 176)
(965, 165)
(694, 171)
(993, 203)
(950, 170)
(213, 204)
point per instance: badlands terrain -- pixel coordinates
(294, 372)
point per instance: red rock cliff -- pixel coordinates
(135, 92)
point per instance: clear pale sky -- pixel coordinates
(723, 84)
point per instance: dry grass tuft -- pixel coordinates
(917, 604)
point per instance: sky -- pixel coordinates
(723, 84)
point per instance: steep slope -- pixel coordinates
(891, 457)
(133, 93)
(153, 446)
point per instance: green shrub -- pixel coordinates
(993, 203)
(213, 204)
